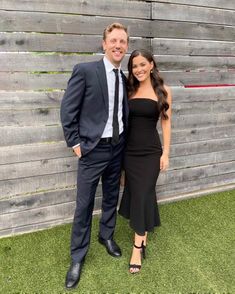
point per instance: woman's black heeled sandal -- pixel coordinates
(142, 254)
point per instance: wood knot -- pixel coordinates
(43, 111)
(19, 42)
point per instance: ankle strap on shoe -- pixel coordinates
(141, 246)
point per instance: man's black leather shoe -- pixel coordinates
(73, 275)
(111, 247)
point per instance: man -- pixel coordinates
(94, 114)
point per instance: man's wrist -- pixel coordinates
(75, 146)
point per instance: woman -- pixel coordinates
(149, 99)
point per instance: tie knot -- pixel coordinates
(115, 71)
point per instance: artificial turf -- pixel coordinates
(192, 252)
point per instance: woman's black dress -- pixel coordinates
(142, 166)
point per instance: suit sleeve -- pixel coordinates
(71, 106)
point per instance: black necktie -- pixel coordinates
(115, 137)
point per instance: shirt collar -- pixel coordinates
(108, 65)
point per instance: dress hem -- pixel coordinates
(149, 230)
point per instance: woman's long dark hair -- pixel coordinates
(156, 80)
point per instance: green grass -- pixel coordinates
(191, 252)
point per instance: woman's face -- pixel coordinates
(141, 68)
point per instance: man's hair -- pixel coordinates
(111, 27)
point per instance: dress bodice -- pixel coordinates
(144, 108)
(143, 116)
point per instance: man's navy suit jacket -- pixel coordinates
(84, 107)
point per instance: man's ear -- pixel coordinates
(104, 45)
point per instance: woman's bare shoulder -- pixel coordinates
(167, 88)
(169, 95)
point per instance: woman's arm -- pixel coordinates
(166, 133)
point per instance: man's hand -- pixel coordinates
(77, 151)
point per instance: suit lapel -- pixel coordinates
(101, 76)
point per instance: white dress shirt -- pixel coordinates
(110, 75)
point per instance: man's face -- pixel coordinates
(115, 46)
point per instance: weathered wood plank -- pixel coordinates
(183, 47)
(42, 151)
(202, 120)
(39, 81)
(183, 116)
(30, 134)
(33, 81)
(89, 7)
(190, 13)
(49, 42)
(33, 134)
(102, 8)
(181, 94)
(30, 100)
(35, 117)
(196, 31)
(12, 21)
(54, 164)
(40, 215)
(198, 78)
(202, 147)
(181, 188)
(43, 62)
(17, 42)
(51, 116)
(34, 227)
(36, 184)
(194, 63)
(69, 164)
(32, 152)
(40, 183)
(194, 160)
(24, 62)
(205, 107)
(196, 97)
(202, 134)
(216, 98)
(37, 62)
(15, 102)
(62, 220)
(50, 198)
(43, 199)
(37, 215)
(38, 168)
(225, 4)
(196, 173)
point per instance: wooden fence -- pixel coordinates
(41, 41)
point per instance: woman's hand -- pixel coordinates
(164, 162)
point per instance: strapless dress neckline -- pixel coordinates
(147, 99)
